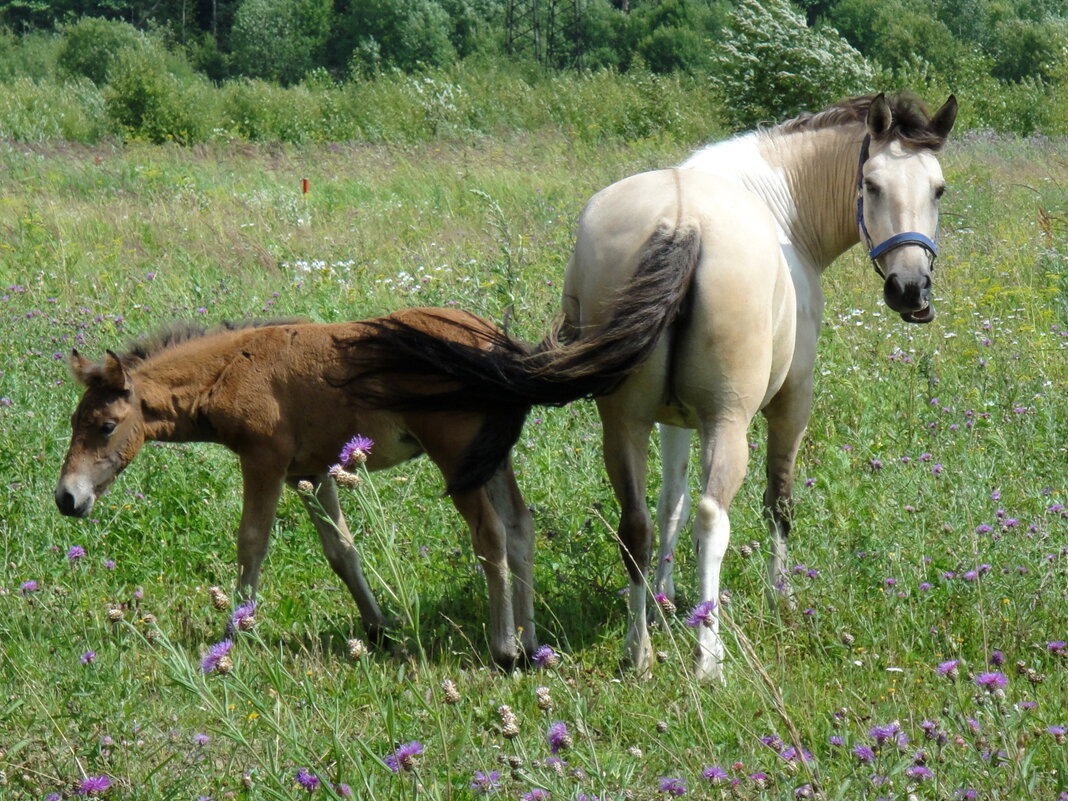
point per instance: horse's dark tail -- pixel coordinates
(399, 366)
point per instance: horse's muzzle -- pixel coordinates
(70, 504)
(911, 298)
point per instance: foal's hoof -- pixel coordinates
(377, 635)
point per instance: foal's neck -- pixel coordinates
(173, 387)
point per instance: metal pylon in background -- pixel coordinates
(544, 30)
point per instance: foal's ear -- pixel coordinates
(80, 366)
(880, 118)
(114, 375)
(943, 119)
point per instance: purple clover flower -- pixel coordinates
(75, 553)
(948, 668)
(215, 655)
(671, 786)
(537, 794)
(308, 780)
(715, 774)
(919, 772)
(486, 783)
(865, 753)
(559, 737)
(355, 451)
(404, 757)
(88, 657)
(702, 615)
(545, 657)
(244, 617)
(93, 785)
(991, 681)
(28, 587)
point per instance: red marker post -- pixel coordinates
(304, 186)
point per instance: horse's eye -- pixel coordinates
(872, 189)
(107, 428)
(939, 192)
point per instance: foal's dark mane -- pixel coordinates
(911, 120)
(148, 345)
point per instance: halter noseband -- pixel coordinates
(895, 241)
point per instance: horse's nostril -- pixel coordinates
(65, 501)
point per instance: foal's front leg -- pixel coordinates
(262, 488)
(334, 535)
(507, 499)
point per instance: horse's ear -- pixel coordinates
(114, 375)
(880, 118)
(80, 366)
(943, 119)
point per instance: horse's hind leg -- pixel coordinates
(724, 454)
(508, 501)
(626, 453)
(787, 417)
(489, 538)
(325, 512)
(673, 506)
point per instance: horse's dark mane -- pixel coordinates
(148, 345)
(911, 120)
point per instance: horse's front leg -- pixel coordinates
(262, 488)
(334, 535)
(787, 417)
(673, 505)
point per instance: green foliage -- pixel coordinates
(280, 40)
(772, 65)
(92, 45)
(148, 102)
(1026, 49)
(405, 34)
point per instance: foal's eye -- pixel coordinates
(939, 192)
(107, 428)
(872, 189)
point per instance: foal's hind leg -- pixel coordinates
(340, 552)
(489, 538)
(724, 454)
(787, 417)
(626, 450)
(673, 506)
(508, 501)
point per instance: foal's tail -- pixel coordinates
(503, 378)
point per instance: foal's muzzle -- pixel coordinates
(73, 501)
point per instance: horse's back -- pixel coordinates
(739, 331)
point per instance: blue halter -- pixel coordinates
(895, 241)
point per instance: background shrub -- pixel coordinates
(280, 40)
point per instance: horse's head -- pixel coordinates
(107, 432)
(899, 184)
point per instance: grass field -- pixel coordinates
(931, 538)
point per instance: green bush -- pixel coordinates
(150, 103)
(34, 111)
(92, 45)
(773, 65)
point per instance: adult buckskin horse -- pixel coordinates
(693, 300)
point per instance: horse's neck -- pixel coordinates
(820, 168)
(808, 181)
(173, 387)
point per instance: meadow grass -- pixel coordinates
(930, 530)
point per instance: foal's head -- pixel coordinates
(107, 432)
(899, 186)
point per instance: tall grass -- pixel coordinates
(930, 524)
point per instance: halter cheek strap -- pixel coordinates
(895, 241)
